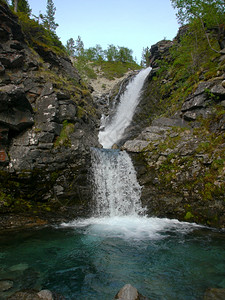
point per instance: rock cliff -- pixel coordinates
(48, 122)
(179, 152)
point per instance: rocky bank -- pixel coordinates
(48, 122)
(179, 156)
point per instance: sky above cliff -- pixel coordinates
(129, 23)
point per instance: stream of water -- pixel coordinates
(93, 258)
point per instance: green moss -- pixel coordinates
(188, 216)
(63, 139)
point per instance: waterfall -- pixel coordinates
(114, 128)
(115, 188)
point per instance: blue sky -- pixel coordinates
(129, 23)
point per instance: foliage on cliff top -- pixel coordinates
(37, 34)
(191, 60)
(106, 69)
(194, 55)
(93, 62)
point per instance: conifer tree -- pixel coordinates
(79, 47)
(49, 18)
(70, 47)
(21, 6)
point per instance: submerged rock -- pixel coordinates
(26, 295)
(45, 295)
(5, 285)
(128, 292)
(214, 294)
(33, 295)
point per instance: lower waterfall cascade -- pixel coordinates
(116, 190)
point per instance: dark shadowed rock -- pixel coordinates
(48, 122)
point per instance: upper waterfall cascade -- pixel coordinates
(113, 129)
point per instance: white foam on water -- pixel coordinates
(131, 227)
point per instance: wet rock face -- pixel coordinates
(48, 122)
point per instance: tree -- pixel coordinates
(21, 6)
(111, 53)
(99, 52)
(49, 18)
(125, 54)
(206, 14)
(210, 11)
(79, 47)
(70, 47)
(145, 57)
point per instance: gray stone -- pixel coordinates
(51, 127)
(45, 137)
(214, 294)
(195, 102)
(67, 111)
(169, 122)
(135, 146)
(47, 90)
(63, 95)
(202, 86)
(47, 109)
(45, 295)
(157, 129)
(45, 146)
(218, 90)
(149, 136)
(12, 60)
(26, 295)
(190, 116)
(5, 285)
(128, 292)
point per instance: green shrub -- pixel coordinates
(36, 34)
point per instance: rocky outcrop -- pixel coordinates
(180, 176)
(159, 50)
(180, 158)
(48, 122)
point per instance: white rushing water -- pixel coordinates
(114, 129)
(117, 206)
(116, 190)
